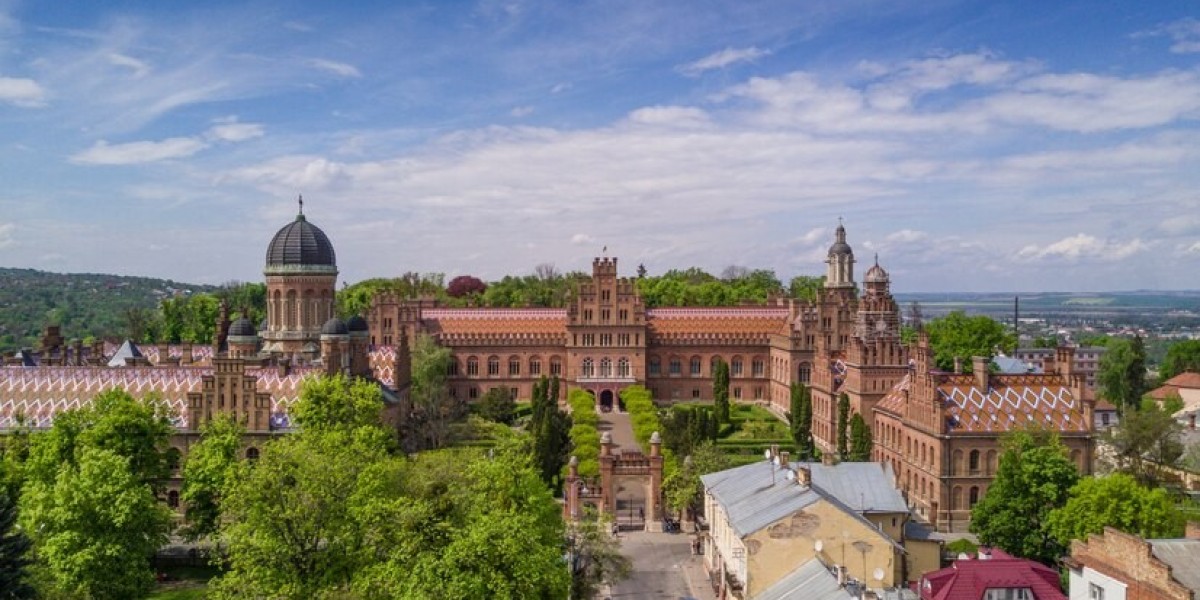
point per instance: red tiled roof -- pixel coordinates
(1010, 401)
(738, 321)
(1171, 387)
(496, 321)
(969, 579)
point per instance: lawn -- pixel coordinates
(184, 582)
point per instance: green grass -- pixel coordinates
(186, 582)
(198, 592)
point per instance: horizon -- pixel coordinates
(975, 147)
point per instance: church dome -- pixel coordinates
(840, 247)
(356, 324)
(301, 244)
(334, 326)
(876, 274)
(242, 327)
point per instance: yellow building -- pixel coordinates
(770, 521)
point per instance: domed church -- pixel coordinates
(301, 272)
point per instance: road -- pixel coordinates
(663, 568)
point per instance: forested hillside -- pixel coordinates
(84, 304)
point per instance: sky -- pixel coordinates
(973, 146)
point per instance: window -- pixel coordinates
(605, 367)
(737, 393)
(493, 366)
(757, 368)
(623, 339)
(555, 366)
(588, 369)
(514, 367)
(694, 368)
(735, 367)
(973, 497)
(623, 367)
(251, 453)
(655, 365)
(676, 366)
(695, 393)
(758, 392)
(973, 462)
(452, 368)
(473, 393)
(605, 314)
(173, 499)
(535, 366)
(604, 295)
(606, 339)
(1095, 592)
(804, 373)
(472, 367)
(623, 315)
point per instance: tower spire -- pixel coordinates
(300, 199)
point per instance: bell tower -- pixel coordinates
(839, 273)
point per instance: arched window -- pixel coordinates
(472, 366)
(555, 366)
(252, 453)
(694, 366)
(735, 367)
(804, 373)
(655, 365)
(514, 366)
(973, 497)
(712, 364)
(623, 367)
(957, 467)
(676, 366)
(535, 366)
(991, 462)
(588, 368)
(757, 368)
(956, 498)
(452, 368)
(922, 454)
(173, 499)
(973, 463)
(493, 366)
(606, 367)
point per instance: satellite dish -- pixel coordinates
(790, 476)
(775, 461)
(877, 574)
(767, 454)
(818, 545)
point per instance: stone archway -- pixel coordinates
(606, 400)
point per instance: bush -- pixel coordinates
(963, 546)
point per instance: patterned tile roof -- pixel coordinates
(735, 321)
(201, 353)
(40, 393)
(893, 402)
(1010, 401)
(496, 321)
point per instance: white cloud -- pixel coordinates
(582, 239)
(906, 236)
(1193, 249)
(559, 88)
(521, 111)
(139, 68)
(6, 235)
(340, 69)
(1180, 224)
(1184, 34)
(234, 132)
(131, 153)
(672, 116)
(722, 59)
(22, 92)
(1083, 247)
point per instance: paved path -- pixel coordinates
(621, 428)
(663, 568)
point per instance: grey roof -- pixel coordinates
(128, 349)
(1184, 557)
(1010, 365)
(334, 326)
(758, 494)
(810, 581)
(356, 323)
(242, 327)
(300, 243)
(914, 530)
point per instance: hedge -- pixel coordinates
(585, 439)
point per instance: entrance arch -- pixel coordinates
(606, 400)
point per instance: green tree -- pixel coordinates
(1121, 377)
(720, 384)
(14, 554)
(860, 439)
(14, 453)
(1181, 356)
(209, 466)
(806, 287)
(1115, 501)
(801, 417)
(433, 407)
(594, 556)
(957, 335)
(337, 401)
(1145, 439)
(96, 526)
(1034, 477)
(682, 489)
(843, 426)
(498, 405)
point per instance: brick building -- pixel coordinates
(1115, 565)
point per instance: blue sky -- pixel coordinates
(972, 145)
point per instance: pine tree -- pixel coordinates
(721, 391)
(802, 421)
(843, 424)
(860, 439)
(14, 552)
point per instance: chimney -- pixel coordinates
(803, 476)
(655, 444)
(828, 459)
(283, 367)
(1192, 421)
(958, 367)
(1192, 532)
(979, 367)
(785, 459)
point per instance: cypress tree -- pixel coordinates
(843, 424)
(14, 554)
(860, 439)
(802, 421)
(721, 391)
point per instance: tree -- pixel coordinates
(1121, 377)
(1181, 356)
(801, 418)
(1034, 477)
(958, 336)
(682, 488)
(806, 287)
(498, 405)
(641, 271)
(860, 439)
(720, 384)
(209, 466)
(1115, 501)
(843, 425)
(433, 407)
(594, 556)
(337, 401)
(14, 554)
(465, 285)
(1145, 439)
(96, 526)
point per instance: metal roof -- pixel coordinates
(127, 350)
(300, 243)
(866, 487)
(810, 581)
(1184, 557)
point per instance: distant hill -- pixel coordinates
(83, 304)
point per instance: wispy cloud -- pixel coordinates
(340, 69)
(139, 68)
(139, 152)
(721, 59)
(1184, 35)
(6, 235)
(22, 92)
(1084, 247)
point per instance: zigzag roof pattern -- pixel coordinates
(1011, 402)
(747, 321)
(38, 394)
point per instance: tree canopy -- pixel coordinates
(1183, 355)
(1118, 501)
(957, 335)
(1121, 376)
(14, 554)
(1144, 439)
(801, 415)
(209, 466)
